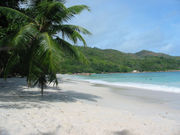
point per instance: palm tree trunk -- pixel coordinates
(42, 89)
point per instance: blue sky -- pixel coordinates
(132, 25)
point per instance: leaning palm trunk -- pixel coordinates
(42, 83)
(42, 89)
(37, 45)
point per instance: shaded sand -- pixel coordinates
(80, 108)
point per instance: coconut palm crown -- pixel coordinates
(39, 43)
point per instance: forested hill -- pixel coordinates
(110, 60)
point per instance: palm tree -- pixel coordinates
(40, 43)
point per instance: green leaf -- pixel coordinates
(77, 9)
(51, 11)
(25, 36)
(71, 50)
(49, 53)
(69, 28)
(14, 14)
(13, 60)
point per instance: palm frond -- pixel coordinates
(71, 50)
(75, 36)
(34, 72)
(56, 12)
(14, 59)
(14, 14)
(25, 36)
(5, 42)
(51, 11)
(34, 3)
(68, 27)
(51, 78)
(72, 32)
(48, 53)
(77, 9)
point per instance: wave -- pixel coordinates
(142, 86)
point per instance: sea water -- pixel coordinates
(155, 81)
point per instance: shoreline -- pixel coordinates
(150, 86)
(81, 108)
(88, 74)
(168, 99)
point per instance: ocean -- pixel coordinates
(154, 81)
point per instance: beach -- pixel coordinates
(77, 107)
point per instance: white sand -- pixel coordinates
(80, 108)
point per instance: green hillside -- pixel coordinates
(145, 53)
(110, 60)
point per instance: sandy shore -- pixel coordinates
(81, 108)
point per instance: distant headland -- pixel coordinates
(114, 61)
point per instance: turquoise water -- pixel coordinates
(157, 81)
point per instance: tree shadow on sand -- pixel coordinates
(123, 132)
(3, 132)
(15, 94)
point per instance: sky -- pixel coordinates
(131, 25)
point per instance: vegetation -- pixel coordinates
(32, 39)
(115, 61)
